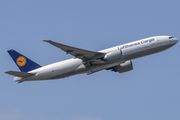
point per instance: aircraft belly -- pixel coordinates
(62, 75)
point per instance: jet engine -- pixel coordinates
(123, 67)
(114, 55)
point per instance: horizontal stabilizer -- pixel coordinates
(19, 74)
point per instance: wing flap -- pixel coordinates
(19, 74)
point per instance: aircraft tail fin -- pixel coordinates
(24, 63)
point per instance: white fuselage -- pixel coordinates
(75, 66)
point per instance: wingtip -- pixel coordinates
(7, 72)
(47, 40)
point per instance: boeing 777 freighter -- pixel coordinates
(117, 59)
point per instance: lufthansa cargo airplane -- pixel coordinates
(117, 59)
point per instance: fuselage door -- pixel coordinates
(158, 41)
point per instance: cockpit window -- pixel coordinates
(171, 37)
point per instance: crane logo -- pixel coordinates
(21, 61)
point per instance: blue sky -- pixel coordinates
(150, 91)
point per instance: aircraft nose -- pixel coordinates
(174, 41)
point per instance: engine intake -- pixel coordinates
(123, 67)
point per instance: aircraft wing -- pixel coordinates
(85, 55)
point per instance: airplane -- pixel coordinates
(117, 59)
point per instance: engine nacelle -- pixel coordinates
(114, 55)
(123, 67)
